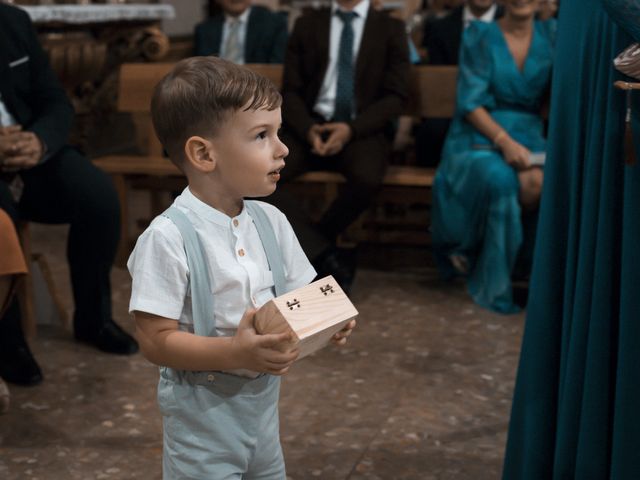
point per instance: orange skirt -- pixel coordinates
(11, 256)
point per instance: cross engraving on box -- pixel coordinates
(313, 326)
(295, 303)
(327, 289)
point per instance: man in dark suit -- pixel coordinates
(44, 180)
(242, 33)
(345, 80)
(442, 38)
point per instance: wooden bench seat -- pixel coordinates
(152, 171)
(126, 165)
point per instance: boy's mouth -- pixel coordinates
(275, 174)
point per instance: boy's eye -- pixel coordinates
(262, 135)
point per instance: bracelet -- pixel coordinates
(498, 136)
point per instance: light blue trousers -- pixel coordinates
(220, 426)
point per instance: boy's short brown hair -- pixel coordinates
(199, 94)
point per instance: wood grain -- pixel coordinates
(313, 313)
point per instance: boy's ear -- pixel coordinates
(200, 154)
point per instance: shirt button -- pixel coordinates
(235, 222)
(241, 252)
(210, 378)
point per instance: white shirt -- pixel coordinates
(240, 275)
(468, 17)
(325, 103)
(243, 18)
(6, 118)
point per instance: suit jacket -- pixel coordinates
(265, 42)
(442, 37)
(29, 87)
(381, 72)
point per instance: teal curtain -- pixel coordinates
(575, 408)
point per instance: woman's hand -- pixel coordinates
(514, 153)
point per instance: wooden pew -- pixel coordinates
(25, 291)
(432, 95)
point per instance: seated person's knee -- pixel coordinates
(531, 187)
(500, 180)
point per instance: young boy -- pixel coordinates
(201, 269)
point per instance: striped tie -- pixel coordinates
(232, 50)
(344, 87)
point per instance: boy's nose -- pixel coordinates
(283, 150)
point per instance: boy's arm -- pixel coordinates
(163, 344)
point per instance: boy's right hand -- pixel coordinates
(262, 353)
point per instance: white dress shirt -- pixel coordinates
(6, 118)
(468, 17)
(325, 103)
(243, 18)
(237, 263)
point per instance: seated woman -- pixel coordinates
(487, 182)
(12, 267)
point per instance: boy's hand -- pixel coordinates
(262, 353)
(340, 338)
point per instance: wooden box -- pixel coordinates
(313, 313)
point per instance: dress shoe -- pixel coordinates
(339, 262)
(109, 338)
(460, 263)
(18, 366)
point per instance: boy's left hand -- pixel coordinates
(340, 338)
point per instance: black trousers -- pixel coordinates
(430, 136)
(363, 162)
(69, 189)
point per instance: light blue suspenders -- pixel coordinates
(199, 278)
(235, 417)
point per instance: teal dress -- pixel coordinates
(575, 408)
(476, 212)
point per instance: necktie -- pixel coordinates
(344, 86)
(232, 50)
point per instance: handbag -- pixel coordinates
(628, 62)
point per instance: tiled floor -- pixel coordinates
(422, 391)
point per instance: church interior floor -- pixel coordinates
(422, 391)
